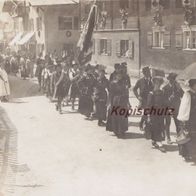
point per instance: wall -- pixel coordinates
(55, 38)
(115, 36)
(170, 58)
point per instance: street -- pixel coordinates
(64, 155)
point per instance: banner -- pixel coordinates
(85, 42)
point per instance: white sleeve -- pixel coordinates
(70, 75)
(185, 107)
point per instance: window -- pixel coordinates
(105, 47)
(193, 36)
(189, 39)
(158, 38)
(165, 3)
(65, 23)
(178, 39)
(125, 48)
(102, 5)
(148, 5)
(31, 25)
(124, 4)
(87, 8)
(178, 3)
(154, 3)
(39, 23)
(76, 23)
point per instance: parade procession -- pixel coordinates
(97, 97)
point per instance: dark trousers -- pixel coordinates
(168, 123)
(142, 121)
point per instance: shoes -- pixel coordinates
(101, 124)
(57, 107)
(154, 144)
(169, 142)
(162, 149)
(188, 159)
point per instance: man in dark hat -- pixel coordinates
(86, 84)
(141, 90)
(117, 68)
(99, 97)
(173, 94)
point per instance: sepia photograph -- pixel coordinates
(97, 97)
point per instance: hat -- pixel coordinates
(157, 79)
(172, 76)
(103, 71)
(124, 64)
(88, 67)
(192, 82)
(116, 65)
(145, 69)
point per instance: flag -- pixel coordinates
(85, 42)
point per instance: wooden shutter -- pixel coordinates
(131, 49)
(118, 49)
(166, 39)
(178, 39)
(109, 47)
(149, 39)
(98, 46)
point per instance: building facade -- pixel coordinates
(116, 37)
(168, 33)
(48, 26)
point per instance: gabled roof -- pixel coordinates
(52, 2)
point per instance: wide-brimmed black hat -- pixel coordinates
(88, 67)
(116, 65)
(172, 76)
(158, 79)
(145, 69)
(192, 82)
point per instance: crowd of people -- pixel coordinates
(106, 98)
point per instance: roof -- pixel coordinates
(52, 2)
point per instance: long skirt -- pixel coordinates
(74, 91)
(85, 105)
(60, 91)
(189, 149)
(157, 128)
(115, 122)
(101, 109)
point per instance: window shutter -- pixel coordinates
(109, 47)
(76, 23)
(178, 39)
(118, 49)
(149, 39)
(98, 46)
(167, 39)
(131, 49)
